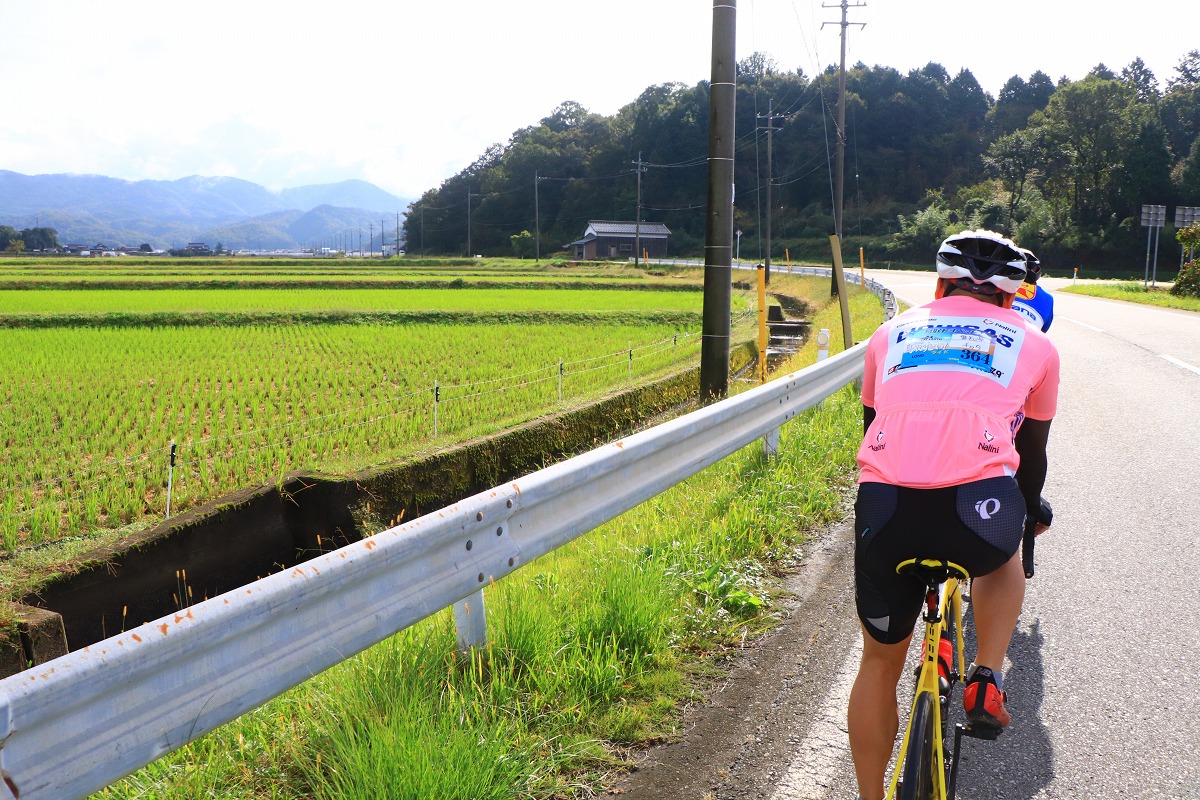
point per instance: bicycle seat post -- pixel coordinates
(933, 611)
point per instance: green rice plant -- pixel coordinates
(97, 408)
(134, 301)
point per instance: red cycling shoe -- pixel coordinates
(984, 702)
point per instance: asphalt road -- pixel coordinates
(1102, 666)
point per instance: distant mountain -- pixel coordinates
(91, 209)
(347, 194)
(322, 226)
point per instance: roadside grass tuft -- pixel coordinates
(1134, 292)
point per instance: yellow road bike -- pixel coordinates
(922, 770)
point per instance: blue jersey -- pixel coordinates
(1035, 304)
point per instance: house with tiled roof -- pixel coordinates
(611, 239)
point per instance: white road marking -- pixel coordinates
(1081, 324)
(1179, 363)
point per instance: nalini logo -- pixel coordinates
(987, 435)
(987, 508)
(880, 443)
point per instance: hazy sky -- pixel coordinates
(404, 93)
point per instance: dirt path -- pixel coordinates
(774, 728)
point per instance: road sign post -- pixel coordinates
(1152, 217)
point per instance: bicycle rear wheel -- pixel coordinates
(917, 778)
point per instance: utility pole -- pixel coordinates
(470, 250)
(839, 181)
(718, 236)
(371, 240)
(770, 118)
(537, 222)
(637, 226)
(397, 234)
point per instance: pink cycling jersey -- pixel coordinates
(950, 383)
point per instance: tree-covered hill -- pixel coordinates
(1064, 166)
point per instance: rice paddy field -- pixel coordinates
(63, 301)
(111, 366)
(150, 273)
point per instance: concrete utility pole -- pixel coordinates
(537, 222)
(770, 118)
(718, 237)
(470, 250)
(839, 180)
(637, 226)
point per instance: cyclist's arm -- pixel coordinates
(1031, 474)
(868, 418)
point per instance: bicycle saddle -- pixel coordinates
(932, 572)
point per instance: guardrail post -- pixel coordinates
(771, 443)
(889, 303)
(470, 621)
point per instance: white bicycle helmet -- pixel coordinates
(979, 260)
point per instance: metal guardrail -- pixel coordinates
(73, 725)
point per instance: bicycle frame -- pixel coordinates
(943, 600)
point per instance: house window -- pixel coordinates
(626, 248)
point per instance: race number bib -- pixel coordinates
(975, 345)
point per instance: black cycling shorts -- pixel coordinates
(976, 525)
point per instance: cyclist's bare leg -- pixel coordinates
(873, 715)
(996, 603)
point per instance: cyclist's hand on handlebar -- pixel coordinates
(1044, 516)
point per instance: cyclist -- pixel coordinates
(1033, 301)
(957, 396)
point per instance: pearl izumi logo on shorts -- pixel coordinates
(987, 508)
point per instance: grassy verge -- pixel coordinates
(1134, 292)
(591, 648)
